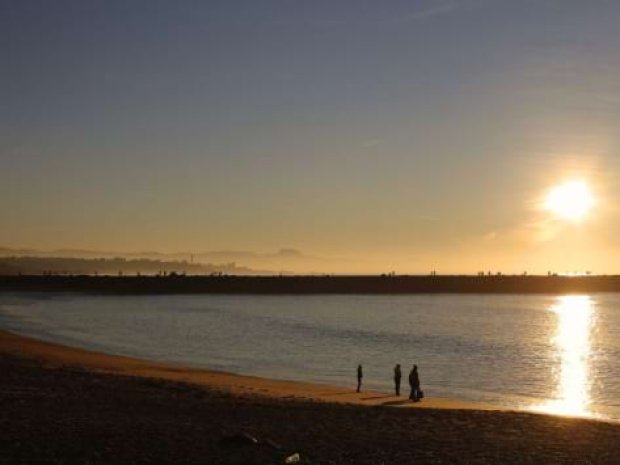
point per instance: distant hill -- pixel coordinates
(30, 265)
(282, 261)
(93, 254)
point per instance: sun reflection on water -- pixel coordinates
(574, 316)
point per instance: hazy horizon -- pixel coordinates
(361, 137)
(283, 261)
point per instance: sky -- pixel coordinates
(366, 136)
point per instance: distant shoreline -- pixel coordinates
(305, 285)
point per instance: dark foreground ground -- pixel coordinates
(62, 415)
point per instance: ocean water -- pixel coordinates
(558, 354)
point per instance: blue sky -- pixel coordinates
(394, 134)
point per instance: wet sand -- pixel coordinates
(65, 405)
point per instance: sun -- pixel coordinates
(571, 200)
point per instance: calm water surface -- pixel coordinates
(556, 354)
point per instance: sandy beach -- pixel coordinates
(66, 405)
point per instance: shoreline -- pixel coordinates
(73, 406)
(58, 355)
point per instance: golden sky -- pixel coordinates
(404, 136)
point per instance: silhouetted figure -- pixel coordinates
(360, 375)
(397, 376)
(414, 383)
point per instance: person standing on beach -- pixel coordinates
(360, 375)
(397, 376)
(414, 384)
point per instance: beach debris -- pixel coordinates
(294, 458)
(243, 439)
(269, 443)
(248, 449)
(238, 440)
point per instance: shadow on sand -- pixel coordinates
(336, 393)
(397, 402)
(376, 397)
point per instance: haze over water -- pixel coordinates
(558, 354)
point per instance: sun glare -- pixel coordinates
(571, 200)
(575, 317)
